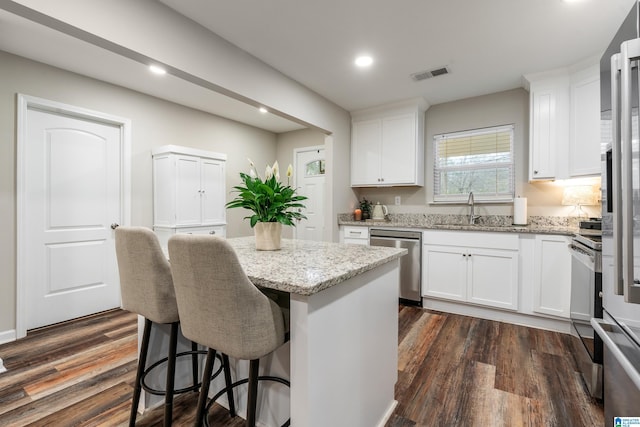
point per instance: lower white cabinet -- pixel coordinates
(164, 233)
(479, 268)
(354, 234)
(552, 275)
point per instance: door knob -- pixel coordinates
(115, 225)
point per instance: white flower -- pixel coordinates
(252, 173)
(268, 173)
(289, 173)
(276, 170)
(251, 163)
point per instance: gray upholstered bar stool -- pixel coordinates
(221, 309)
(147, 289)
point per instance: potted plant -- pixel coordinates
(271, 202)
(365, 207)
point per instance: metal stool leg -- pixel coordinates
(194, 364)
(142, 360)
(252, 399)
(204, 388)
(227, 381)
(171, 375)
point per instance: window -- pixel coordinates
(479, 160)
(315, 167)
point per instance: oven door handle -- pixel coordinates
(579, 252)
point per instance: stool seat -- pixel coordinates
(221, 309)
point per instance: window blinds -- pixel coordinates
(479, 160)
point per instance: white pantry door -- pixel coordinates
(72, 196)
(310, 180)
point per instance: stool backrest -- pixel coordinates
(219, 306)
(145, 275)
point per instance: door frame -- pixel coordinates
(24, 103)
(297, 151)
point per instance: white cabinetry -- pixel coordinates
(354, 234)
(387, 145)
(549, 126)
(552, 275)
(480, 268)
(584, 137)
(564, 128)
(188, 191)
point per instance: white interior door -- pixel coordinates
(72, 189)
(310, 182)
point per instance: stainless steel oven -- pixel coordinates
(586, 303)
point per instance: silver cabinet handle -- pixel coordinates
(212, 232)
(115, 225)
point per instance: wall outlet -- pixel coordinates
(397, 200)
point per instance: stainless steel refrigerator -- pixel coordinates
(620, 326)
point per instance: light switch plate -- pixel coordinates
(397, 200)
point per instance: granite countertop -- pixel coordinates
(305, 267)
(537, 225)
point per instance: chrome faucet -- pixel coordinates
(472, 215)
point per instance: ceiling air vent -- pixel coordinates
(423, 75)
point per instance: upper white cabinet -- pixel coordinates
(463, 266)
(188, 189)
(584, 135)
(564, 128)
(548, 126)
(387, 145)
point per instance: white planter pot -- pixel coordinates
(268, 235)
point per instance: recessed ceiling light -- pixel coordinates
(364, 61)
(155, 69)
(263, 110)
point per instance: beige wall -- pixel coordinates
(195, 51)
(289, 141)
(489, 110)
(154, 122)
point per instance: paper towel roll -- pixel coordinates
(520, 211)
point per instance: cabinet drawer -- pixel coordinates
(356, 232)
(213, 230)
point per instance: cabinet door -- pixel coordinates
(543, 135)
(444, 272)
(493, 278)
(584, 148)
(188, 208)
(552, 276)
(212, 191)
(398, 150)
(163, 190)
(365, 152)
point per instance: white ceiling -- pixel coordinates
(34, 41)
(487, 44)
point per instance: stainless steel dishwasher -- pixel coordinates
(410, 264)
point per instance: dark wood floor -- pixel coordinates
(453, 371)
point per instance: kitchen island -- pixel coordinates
(342, 355)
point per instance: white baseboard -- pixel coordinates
(532, 321)
(388, 413)
(7, 336)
